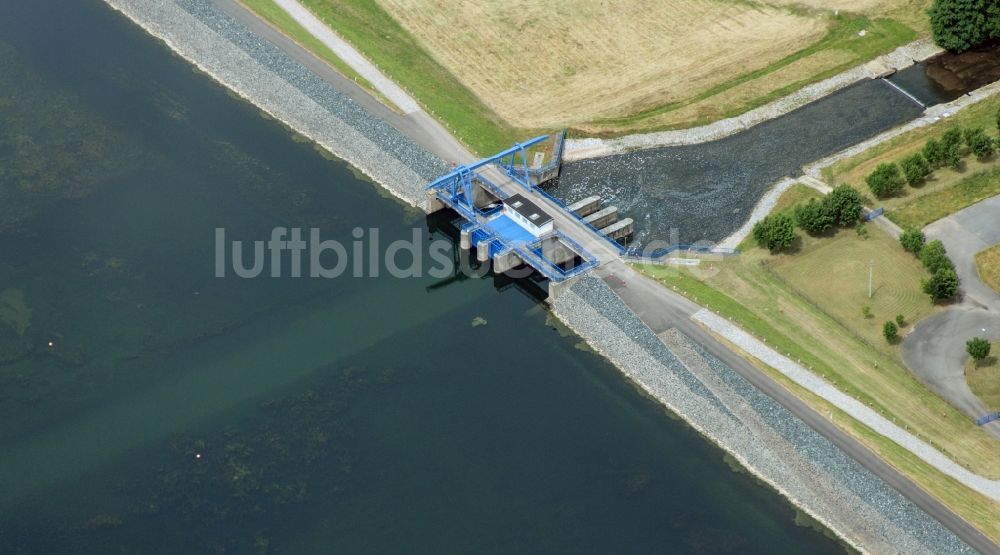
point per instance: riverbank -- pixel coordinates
(261, 74)
(764, 436)
(367, 144)
(902, 57)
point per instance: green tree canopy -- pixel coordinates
(885, 181)
(891, 331)
(845, 205)
(913, 240)
(978, 348)
(775, 232)
(958, 25)
(915, 168)
(943, 284)
(934, 256)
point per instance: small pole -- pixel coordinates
(871, 263)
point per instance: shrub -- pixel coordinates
(958, 25)
(998, 118)
(983, 147)
(913, 240)
(890, 331)
(934, 256)
(934, 150)
(953, 156)
(900, 320)
(978, 348)
(915, 168)
(845, 205)
(952, 137)
(943, 284)
(775, 232)
(814, 217)
(885, 181)
(866, 311)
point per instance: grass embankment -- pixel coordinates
(459, 104)
(946, 191)
(988, 265)
(807, 303)
(380, 38)
(984, 377)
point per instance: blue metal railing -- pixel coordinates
(618, 246)
(874, 214)
(983, 420)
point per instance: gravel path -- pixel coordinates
(350, 56)
(853, 407)
(763, 435)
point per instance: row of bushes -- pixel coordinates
(888, 180)
(943, 283)
(842, 207)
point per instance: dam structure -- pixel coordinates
(509, 220)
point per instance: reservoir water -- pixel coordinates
(148, 406)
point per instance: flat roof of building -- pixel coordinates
(510, 231)
(528, 209)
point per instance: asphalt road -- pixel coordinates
(935, 349)
(658, 307)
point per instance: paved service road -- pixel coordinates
(935, 349)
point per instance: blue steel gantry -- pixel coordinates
(484, 222)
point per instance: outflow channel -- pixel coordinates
(706, 191)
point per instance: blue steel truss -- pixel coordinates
(456, 187)
(456, 190)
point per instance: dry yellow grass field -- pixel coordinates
(543, 63)
(589, 63)
(988, 264)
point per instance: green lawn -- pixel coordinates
(795, 195)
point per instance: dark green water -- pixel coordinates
(346, 415)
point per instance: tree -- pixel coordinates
(958, 25)
(983, 146)
(998, 118)
(943, 284)
(775, 232)
(978, 348)
(934, 150)
(891, 331)
(979, 143)
(953, 156)
(915, 168)
(814, 217)
(952, 137)
(934, 256)
(885, 181)
(844, 204)
(913, 240)
(900, 320)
